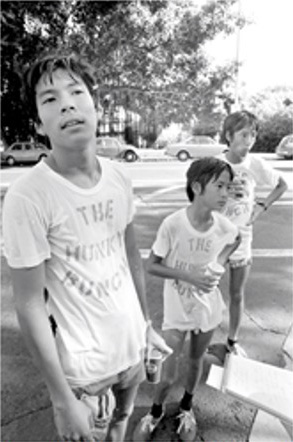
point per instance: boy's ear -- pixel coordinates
(196, 188)
(228, 137)
(39, 129)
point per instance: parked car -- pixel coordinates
(113, 148)
(24, 152)
(285, 147)
(195, 147)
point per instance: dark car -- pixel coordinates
(113, 148)
(24, 152)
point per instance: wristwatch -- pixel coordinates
(262, 204)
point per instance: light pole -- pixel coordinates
(237, 58)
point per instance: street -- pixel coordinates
(159, 190)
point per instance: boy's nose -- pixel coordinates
(67, 107)
(67, 103)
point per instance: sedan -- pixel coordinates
(24, 152)
(111, 147)
(285, 147)
(195, 147)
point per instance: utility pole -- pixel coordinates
(237, 59)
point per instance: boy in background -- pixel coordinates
(239, 132)
(187, 242)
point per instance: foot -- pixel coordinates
(187, 426)
(145, 428)
(236, 349)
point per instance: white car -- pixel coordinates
(195, 147)
(111, 147)
(285, 147)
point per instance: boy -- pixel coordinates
(239, 132)
(187, 242)
(68, 228)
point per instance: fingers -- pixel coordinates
(88, 438)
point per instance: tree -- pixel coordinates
(149, 56)
(274, 109)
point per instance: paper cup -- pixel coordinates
(215, 269)
(154, 367)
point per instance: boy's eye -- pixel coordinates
(77, 91)
(48, 100)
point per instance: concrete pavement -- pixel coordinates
(267, 335)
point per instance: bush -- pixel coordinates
(272, 130)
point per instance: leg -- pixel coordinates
(238, 278)
(187, 423)
(175, 339)
(124, 407)
(147, 425)
(198, 344)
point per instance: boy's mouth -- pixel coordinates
(71, 123)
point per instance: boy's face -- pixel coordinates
(216, 192)
(66, 110)
(242, 141)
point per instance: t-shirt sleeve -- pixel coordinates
(24, 232)
(232, 234)
(162, 244)
(128, 189)
(265, 175)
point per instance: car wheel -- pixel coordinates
(10, 161)
(183, 155)
(130, 156)
(42, 156)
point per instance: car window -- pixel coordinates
(207, 140)
(16, 147)
(28, 147)
(99, 143)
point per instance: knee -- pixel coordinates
(237, 297)
(195, 363)
(122, 415)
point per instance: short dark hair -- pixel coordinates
(237, 121)
(203, 171)
(47, 65)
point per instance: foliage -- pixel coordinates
(149, 56)
(274, 109)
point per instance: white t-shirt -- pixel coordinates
(181, 246)
(79, 234)
(253, 171)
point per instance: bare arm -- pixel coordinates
(198, 277)
(228, 250)
(273, 196)
(137, 271)
(71, 415)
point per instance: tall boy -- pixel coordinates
(68, 228)
(239, 132)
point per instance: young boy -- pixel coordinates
(68, 229)
(239, 132)
(187, 242)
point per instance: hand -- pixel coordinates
(154, 340)
(202, 280)
(74, 421)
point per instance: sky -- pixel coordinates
(265, 46)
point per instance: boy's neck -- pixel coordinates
(200, 217)
(81, 168)
(233, 158)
